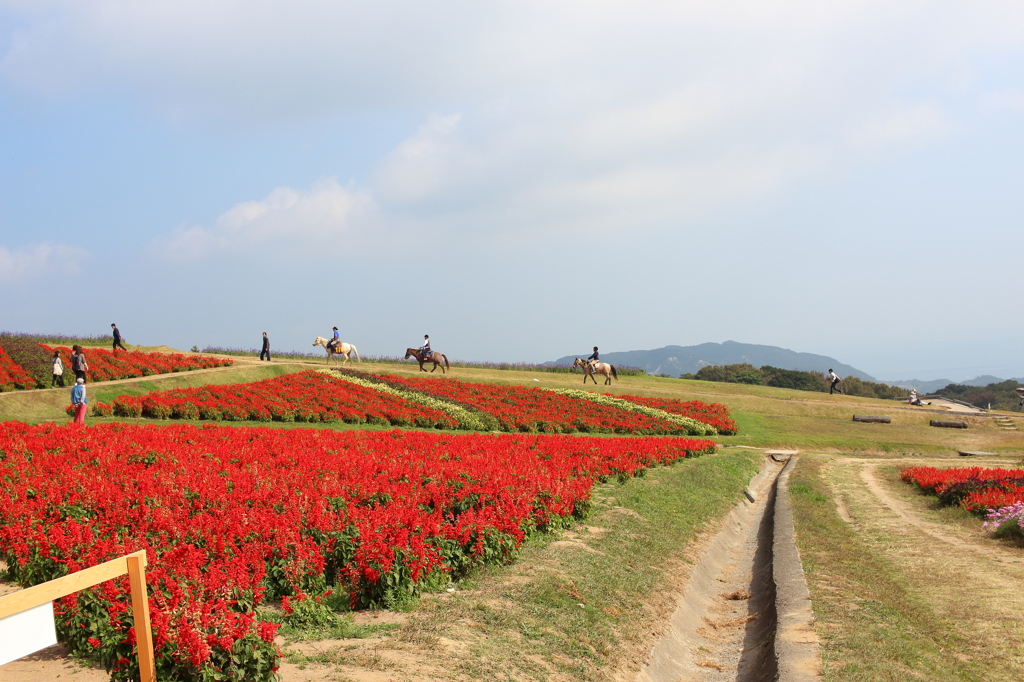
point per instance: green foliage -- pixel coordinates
(1001, 395)
(792, 378)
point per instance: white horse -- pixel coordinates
(343, 349)
(590, 369)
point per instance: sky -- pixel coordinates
(521, 181)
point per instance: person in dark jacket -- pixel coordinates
(117, 338)
(266, 347)
(78, 363)
(594, 358)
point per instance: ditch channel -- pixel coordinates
(745, 613)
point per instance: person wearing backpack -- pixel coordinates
(78, 363)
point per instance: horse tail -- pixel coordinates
(614, 373)
(356, 351)
(446, 361)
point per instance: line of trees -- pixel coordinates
(1000, 396)
(800, 380)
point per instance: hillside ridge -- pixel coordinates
(676, 360)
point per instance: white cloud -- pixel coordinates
(289, 220)
(918, 121)
(1004, 99)
(38, 260)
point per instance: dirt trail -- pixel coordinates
(975, 582)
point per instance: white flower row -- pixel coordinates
(466, 419)
(692, 426)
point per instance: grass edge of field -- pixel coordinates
(871, 621)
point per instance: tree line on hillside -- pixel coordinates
(1000, 396)
(800, 380)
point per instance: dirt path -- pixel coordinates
(974, 581)
(726, 612)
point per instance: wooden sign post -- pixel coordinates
(14, 607)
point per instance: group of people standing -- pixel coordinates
(80, 366)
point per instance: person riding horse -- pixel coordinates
(594, 358)
(425, 348)
(334, 341)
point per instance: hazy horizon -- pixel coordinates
(520, 180)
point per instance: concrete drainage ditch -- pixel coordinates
(745, 614)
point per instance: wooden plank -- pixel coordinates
(947, 424)
(872, 419)
(140, 611)
(61, 587)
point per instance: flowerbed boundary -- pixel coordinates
(470, 420)
(692, 426)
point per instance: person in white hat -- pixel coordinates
(79, 400)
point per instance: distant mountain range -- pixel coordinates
(676, 360)
(936, 384)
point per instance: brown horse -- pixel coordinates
(590, 369)
(442, 363)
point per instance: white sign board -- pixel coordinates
(27, 632)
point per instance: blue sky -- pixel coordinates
(520, 180)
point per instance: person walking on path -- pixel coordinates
(78, 363)
(117, 338)
(58, 370)
(266, 347)
(79, 400)
(833, 383)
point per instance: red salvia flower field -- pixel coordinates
(12, 376)
(713, 414)
(519, 408)
(231, 517)
(974, 488)
(308, 396)
(107, 366)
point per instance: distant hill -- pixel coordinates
(936, 384)
(676, 360)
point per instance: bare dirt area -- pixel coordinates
(954, 570)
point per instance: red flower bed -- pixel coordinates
(231, 517)
(12, 376)
(974, 488)
(308, 396)
(107, 366)
(713, 414)
(519, 408)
